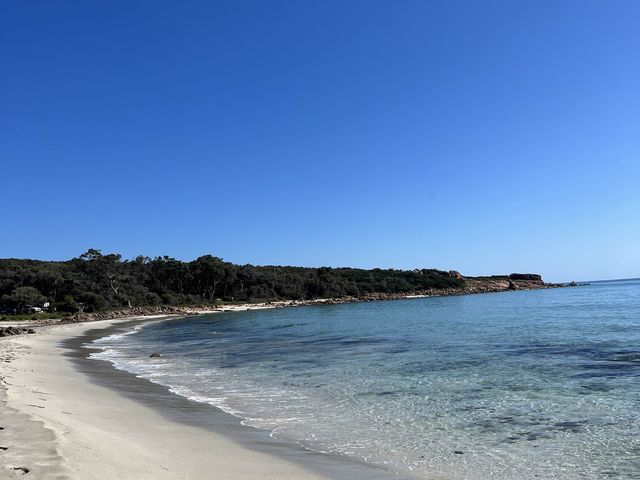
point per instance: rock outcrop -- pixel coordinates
(529, 277)
(8, 331)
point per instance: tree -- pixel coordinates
(100, 281)
(208, 272)
(23, 297)
(93, 302)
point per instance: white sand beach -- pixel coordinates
(58, 424)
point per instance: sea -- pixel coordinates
(539, 384)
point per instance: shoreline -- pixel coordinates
(67, 416)
(475, 286)
(41, 438)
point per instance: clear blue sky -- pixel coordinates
(487, 137)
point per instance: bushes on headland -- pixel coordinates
(97, 282)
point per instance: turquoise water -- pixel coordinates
(518, 385)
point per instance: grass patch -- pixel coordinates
(31, 316)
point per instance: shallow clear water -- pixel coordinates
(530, 384)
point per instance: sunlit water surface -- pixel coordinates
(530, 384)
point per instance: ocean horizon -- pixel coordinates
(513, 385)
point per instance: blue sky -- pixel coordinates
(487, 137)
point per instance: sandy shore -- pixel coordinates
(59, 424)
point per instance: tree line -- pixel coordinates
(95, 281)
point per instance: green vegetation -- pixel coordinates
(94, 282)
(32, 316)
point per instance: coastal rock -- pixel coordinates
(8, 331)
(530, 277)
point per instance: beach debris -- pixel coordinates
(4, 448)
(155, 355)
(24, 470)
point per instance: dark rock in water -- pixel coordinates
(573, 427)
(31, 330)
(155, 355)
(458, 452)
